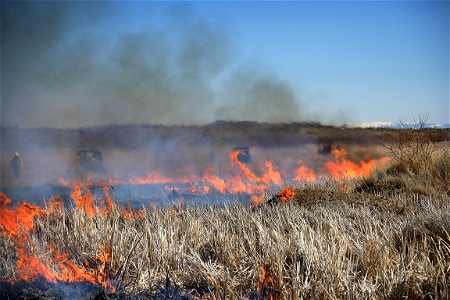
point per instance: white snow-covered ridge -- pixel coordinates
(392, 124)
(372, 124)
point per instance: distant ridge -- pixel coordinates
(372, 124)
(439, 126)
(393, 125)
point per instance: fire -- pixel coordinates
(338, 153)
(237, 178)
(342, 168)
(271, 175)
(185, 176)
(304, 174)
(339, 169)
(286, 194)
(18, 224)
(265, 288)
(216, 182)
(29, 268)
(11, 220)
(240, 179)
(256, 200)
(85, 201)
(54, 266)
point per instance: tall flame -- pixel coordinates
(265, 288)
(19, 222)
(238, 178)
(304, 174)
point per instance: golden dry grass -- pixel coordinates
(331, 248)
(387, 239)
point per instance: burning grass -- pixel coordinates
(321, 244)
(332, 238)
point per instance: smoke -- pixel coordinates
(71, 64)
(253, 93)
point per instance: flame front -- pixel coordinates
(239, 178)
(19, 222)
(304, 174)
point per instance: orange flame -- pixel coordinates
(84, 202)
(256, 200)
(240, 179)
(340, 169)
(286, 194)
(30, 268)
(305, 174)
(271, 175)
(235, 180)
(218, 183)
(22, 216)
(19, 222)
(265, 288)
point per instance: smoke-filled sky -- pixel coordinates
(72, 64)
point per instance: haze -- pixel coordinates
(78, 64)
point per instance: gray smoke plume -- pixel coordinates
(72, 64)
(254, 94)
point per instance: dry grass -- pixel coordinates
(404, 176)
(329, 249)
(420, 161)
(389, 239)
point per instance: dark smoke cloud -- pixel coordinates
(71, 64)
(254, 94)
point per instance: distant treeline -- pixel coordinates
(219, 133)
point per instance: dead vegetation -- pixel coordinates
(253, 134)
(389, 238)
(327, 249)
(421, 161)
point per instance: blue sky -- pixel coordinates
(77, 64)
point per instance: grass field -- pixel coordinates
(385, 236)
